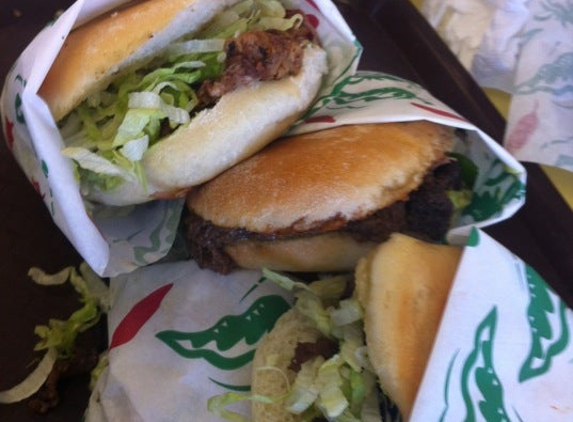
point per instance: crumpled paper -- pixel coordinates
(524, 48)
(113, 240)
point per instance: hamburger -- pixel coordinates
(356, 349)
(161, 95)
(319, 201)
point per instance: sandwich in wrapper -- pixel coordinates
(161, 95)
(319, 201)
(356, 349)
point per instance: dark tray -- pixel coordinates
(396, 39)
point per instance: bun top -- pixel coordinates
(94, 53)
(403, 286)
(303, 182)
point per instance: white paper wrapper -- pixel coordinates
(502, 353)
(524, 48)
(112, 240)
(503, 350)
(372, 97)
(179, 336)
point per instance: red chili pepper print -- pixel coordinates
(320, 119)
(438, 111)
(313, 20)
(522, 130)
(141, 312)
(9, 132)
(312, 3)
(37, 187)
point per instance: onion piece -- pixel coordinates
(33, 382)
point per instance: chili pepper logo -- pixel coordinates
(18, 102)
(549, 331)
(481, 388)
(554, 78)
(320, 119)
(226, 333)
(9, 125)
(522, 131)
(345, 95)
(438, 111)
(138, 316)
(312, 3)
(169, 219)
(500, 188)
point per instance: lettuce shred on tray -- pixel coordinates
(58, 337)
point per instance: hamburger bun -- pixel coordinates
(239, 124)
(402, 287)
(295, 195)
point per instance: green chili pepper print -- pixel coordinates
(344, 96)
(250, 326)
(481, 387)
(546, 315)
(500, 187)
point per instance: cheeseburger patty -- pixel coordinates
(426, 214)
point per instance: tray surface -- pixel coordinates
(396, 40)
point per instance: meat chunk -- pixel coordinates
(259, 56)
(306, 351)
(254, 56)
(429, 209)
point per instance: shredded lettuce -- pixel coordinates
(58, 337)
(286, 282)
(109, 133)
(344, 382)
(329, 380)
(342, 388)
(33, 382)
(218, 405)
(462, 198)
(304, 392)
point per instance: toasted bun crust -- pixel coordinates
(343, 173)
(95, 53)
(403, 286)
(280, 343)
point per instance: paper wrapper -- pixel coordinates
(524, 48)
(373, 97)
(178, 336)
(113, 240)
(503, 350)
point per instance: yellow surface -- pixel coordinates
(562, 179)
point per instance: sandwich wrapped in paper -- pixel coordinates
(120, 104)
(375, 156)
(497, 341)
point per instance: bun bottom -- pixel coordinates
(330, 252)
